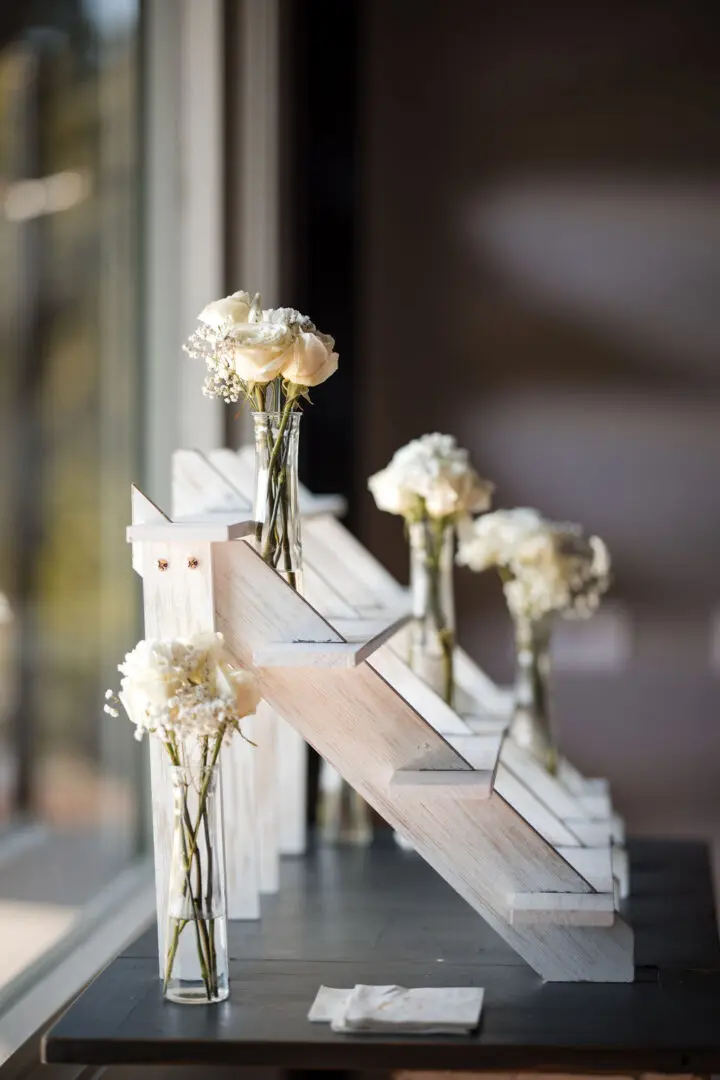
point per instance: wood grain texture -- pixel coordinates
(476, 784)
(562, 909)
(330, 654)
(199, 487)
(241, 831)
(291, 789)
(262, 729)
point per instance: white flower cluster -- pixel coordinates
(244, 346)
(430, 477)
(185, 689)
(546, 566)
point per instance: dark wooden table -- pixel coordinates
(382, 916)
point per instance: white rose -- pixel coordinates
(246, 692)
(390, 495)
(258, 363)
(231, 310)
(457, 493)
(260, 352)
(309, 361)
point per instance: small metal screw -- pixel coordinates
(162, 564)
(193, 563)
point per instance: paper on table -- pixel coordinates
(425, 1010)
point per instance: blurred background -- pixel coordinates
(508, 214)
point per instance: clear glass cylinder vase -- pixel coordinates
(531, 725)
(278, 536)
(196, 954)
(432, 632)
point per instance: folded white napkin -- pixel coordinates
(424, 1011)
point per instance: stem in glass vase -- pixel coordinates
(197, 888)
(432, 639)
(277, 528)
(531, 725)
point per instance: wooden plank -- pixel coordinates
(595, 865)
(324, 597)
(204, 531)
(545, 787)
(336, 567)
(590, 833)
(535, 813)
(329, 654)
(489, 697)
(198, 487)
(262, 729)
(453, 783)
(381, 588)
(562, 909)
(241, 832)
(291, 789)
(578, 784)
(482, 751)
(598, 805)
(396, 671)
(621, 870)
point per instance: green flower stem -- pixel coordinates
(205, 936)
(434, 529)
(274, 534)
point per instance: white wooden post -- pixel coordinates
(251, 852)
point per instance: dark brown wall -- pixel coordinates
(541, 277)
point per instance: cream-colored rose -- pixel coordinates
(390, 495)
(258, 363)
(247, 695)
(454, 493)
(230, 311)
(309, 361)
(261, 351)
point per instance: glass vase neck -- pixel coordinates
(432, 634)
(532, 726)
(276, 511)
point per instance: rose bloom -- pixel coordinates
(391, 496)
(458, 493)
(309, 361)
(261, 351)
(492, 539)
(231, 310)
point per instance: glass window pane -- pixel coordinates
(69, 432)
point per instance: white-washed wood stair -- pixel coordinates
(359, 722)
(333, 555)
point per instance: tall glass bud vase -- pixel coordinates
(196, 954)
(432, 633)
(277, 517)
(281, 804)
(531, 725)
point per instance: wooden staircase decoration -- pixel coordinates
(339, 681)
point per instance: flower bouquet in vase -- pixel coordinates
(432, 486)
(270, 358)
(189, 695)
(547, 569)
